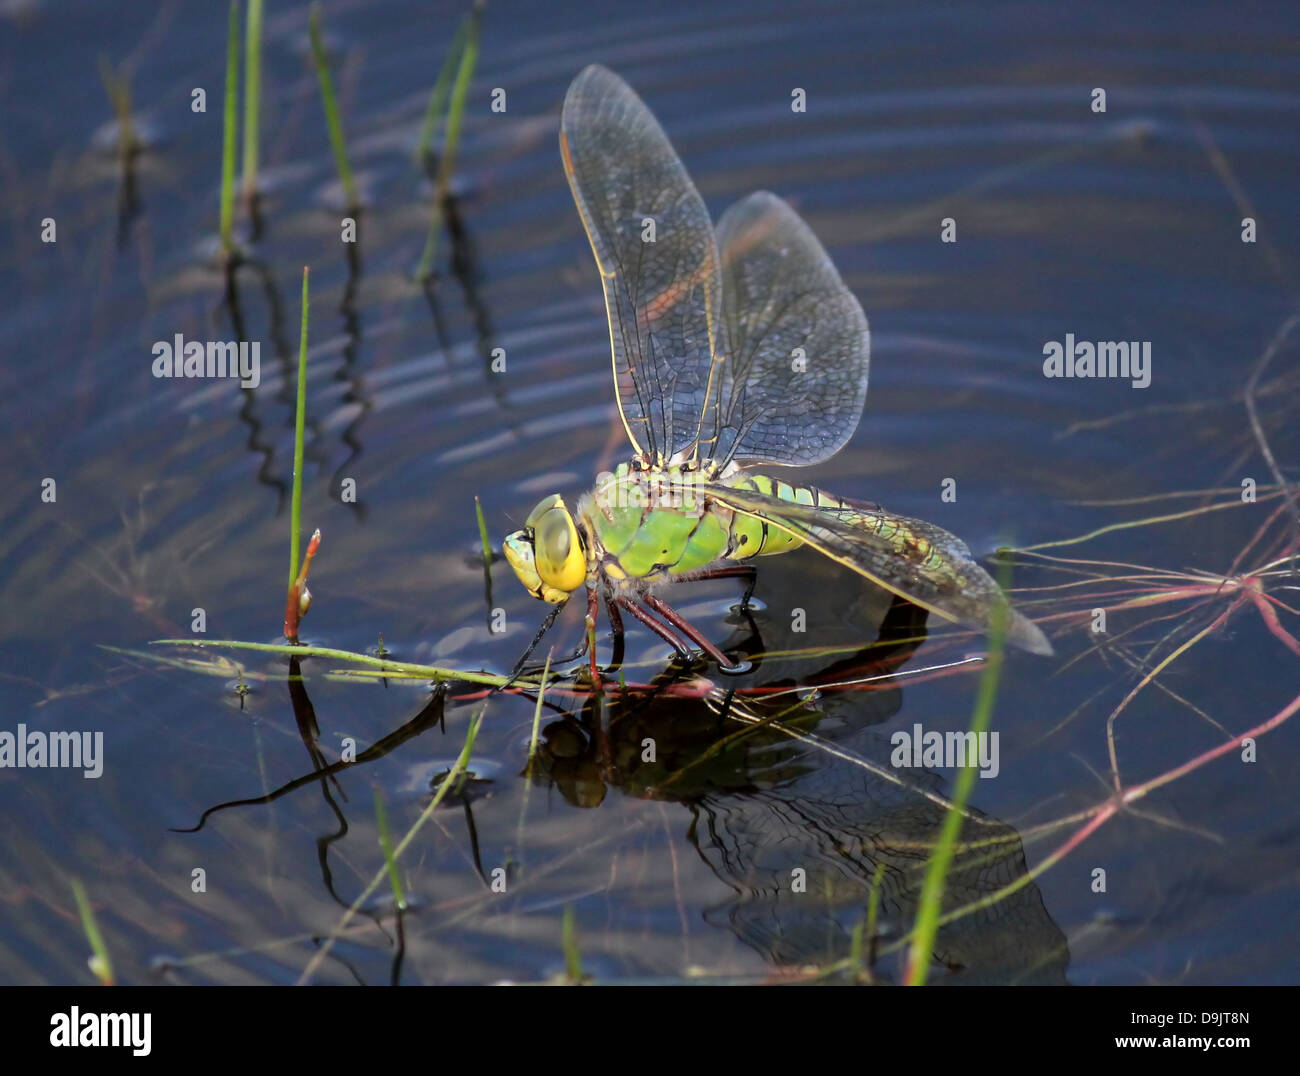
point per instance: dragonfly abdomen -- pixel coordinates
(753, 537)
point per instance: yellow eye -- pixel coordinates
(560, 559)
(542, 508)
(547, 554)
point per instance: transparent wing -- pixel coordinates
(923, 563)
(662, 291)
(796, 376)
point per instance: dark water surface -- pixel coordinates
(171, 496)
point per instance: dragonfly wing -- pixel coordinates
(796, 376)
(662, 287)
(917, 560)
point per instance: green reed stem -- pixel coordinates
(569, 941)
(929, 904)
(856, 966)
(537, 710)
(438, 98)
(118, 88)
(331, 110)
(252, 94)
(228, 131)
(386, 843)
(397, 668)
(101, 964)
(455, 113)
(299, 423)
(873, 900)
(459, 768)
(483, 534)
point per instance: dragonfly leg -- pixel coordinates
(749, 587)
(523, 660)
(673, 640)
(616, 629)
(589, 635)
(684, 626)
(732, 571)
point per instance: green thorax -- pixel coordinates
(643, 522)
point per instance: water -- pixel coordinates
(172, 497)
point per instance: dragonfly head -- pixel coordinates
(547, 554)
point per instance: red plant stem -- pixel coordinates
(293, 603)
(1138, 791)
(1263, 529)
(1274, 625)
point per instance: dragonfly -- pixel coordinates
(734, 348)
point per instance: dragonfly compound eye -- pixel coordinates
(560, 559)
(547, 553)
